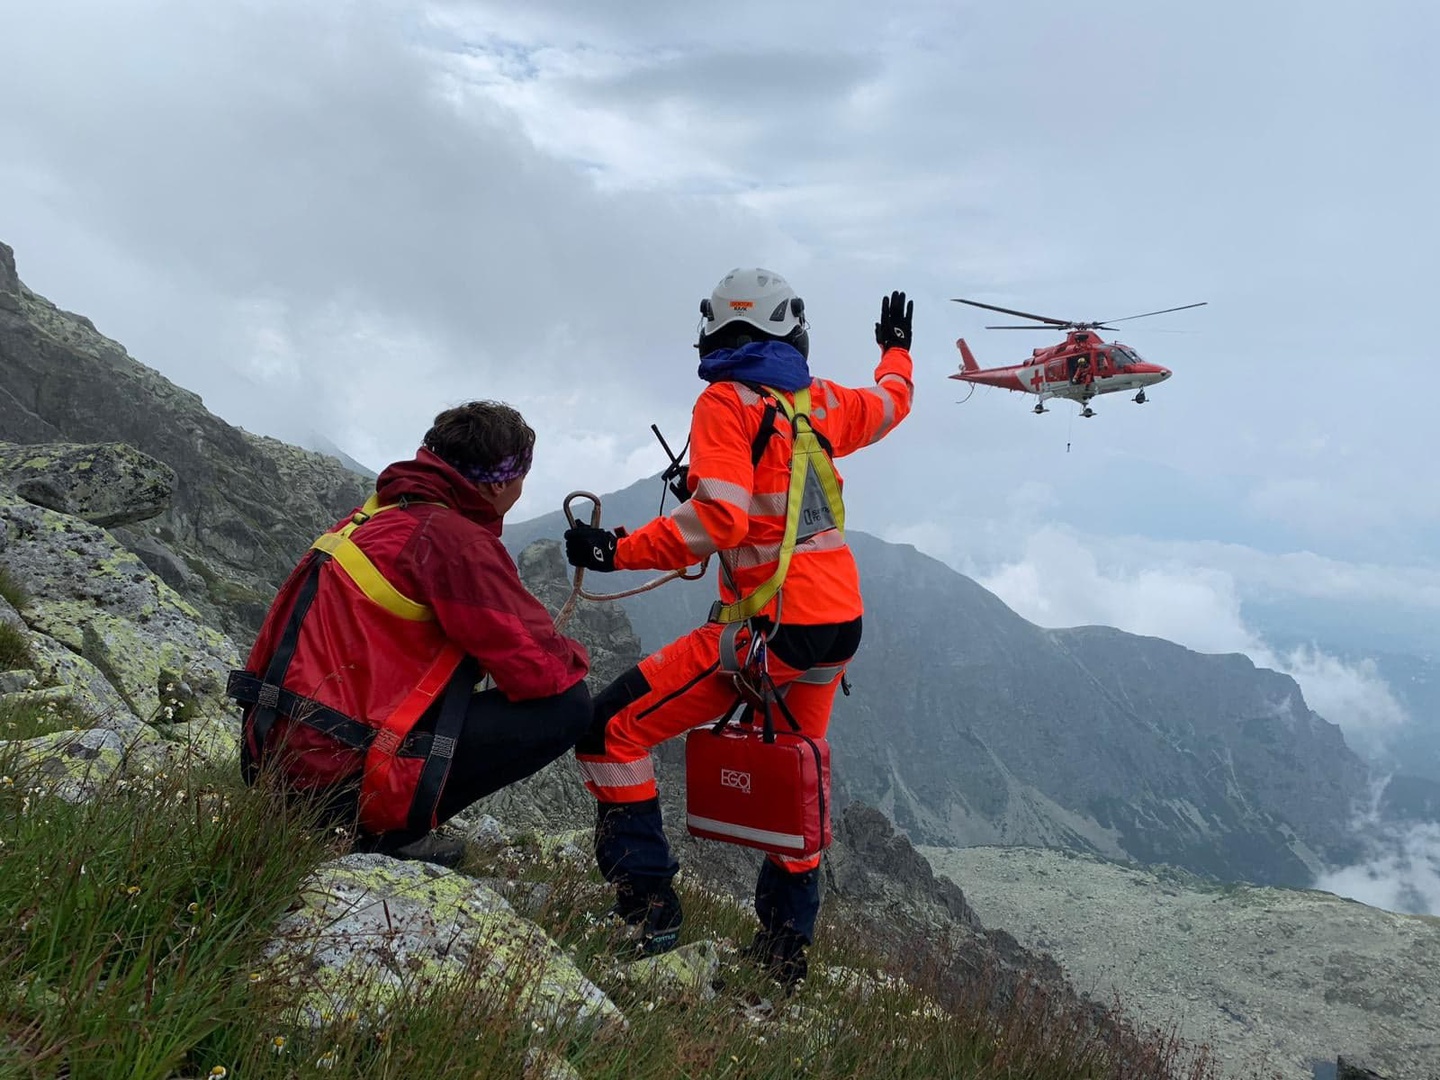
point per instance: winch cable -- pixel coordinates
(578, 591)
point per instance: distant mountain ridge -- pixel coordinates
(970, 725)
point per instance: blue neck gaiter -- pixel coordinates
(776, 364)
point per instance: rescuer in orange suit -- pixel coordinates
(753, 343)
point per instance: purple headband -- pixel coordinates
(502, 472)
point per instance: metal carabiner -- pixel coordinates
(594, 511)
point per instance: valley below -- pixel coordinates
(1277, 981)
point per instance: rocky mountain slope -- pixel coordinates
(1276, 981)
(242, 505)
(970, 725)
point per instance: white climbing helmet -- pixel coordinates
(748, 300)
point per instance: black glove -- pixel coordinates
(590, 548)
(893, 329)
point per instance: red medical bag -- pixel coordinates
(749, 785)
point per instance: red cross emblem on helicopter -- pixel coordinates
(1038, 379)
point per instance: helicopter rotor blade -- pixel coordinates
(1146, 315)
(1012, 311)
(1048, 329)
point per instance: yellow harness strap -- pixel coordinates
(359, 569)
(813, 503)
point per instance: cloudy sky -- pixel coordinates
(333, 219)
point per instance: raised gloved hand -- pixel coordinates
(590, 548)
(893, 329)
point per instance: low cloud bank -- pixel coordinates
(1059, 582)
(1402, 870)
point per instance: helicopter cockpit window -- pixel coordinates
(1123, 357)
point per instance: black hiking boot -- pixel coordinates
(432, 848)
(648, 910)
(660, 922)
(781, 956)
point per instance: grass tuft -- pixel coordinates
(14, 648)
(12, 590)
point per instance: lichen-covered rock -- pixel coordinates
(684, 974)
(87, 690)
(103, 604)
(373, 931)
(18, 679)
(69, 765)
(544, 1065)
(103, 483)
(209, 741)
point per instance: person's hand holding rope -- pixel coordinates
(589, 547)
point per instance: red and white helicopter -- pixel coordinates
(1077, 369)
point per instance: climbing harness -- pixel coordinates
(813, 503)
(404, 771)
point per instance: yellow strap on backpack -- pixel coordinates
(359, 569)
(814, 488)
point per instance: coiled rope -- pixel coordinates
(578, 592)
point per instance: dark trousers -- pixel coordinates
(502, 741)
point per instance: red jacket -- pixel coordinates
(738, 509)
(359, 659)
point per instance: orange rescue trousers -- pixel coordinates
(683, 686)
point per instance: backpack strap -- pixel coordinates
(359, 569)
(267, 693)
(762, 436)
(267, 696)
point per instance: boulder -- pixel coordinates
(103, 605)
(688, 973)
(68, 765)
(103, 483)
(372, 932)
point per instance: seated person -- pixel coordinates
(360, 687)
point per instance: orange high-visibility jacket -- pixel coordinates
(738, 509)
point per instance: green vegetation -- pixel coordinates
(14, 648)
(12, 590)
(39, 716)
(130, 928)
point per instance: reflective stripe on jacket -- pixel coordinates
(738, 509)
